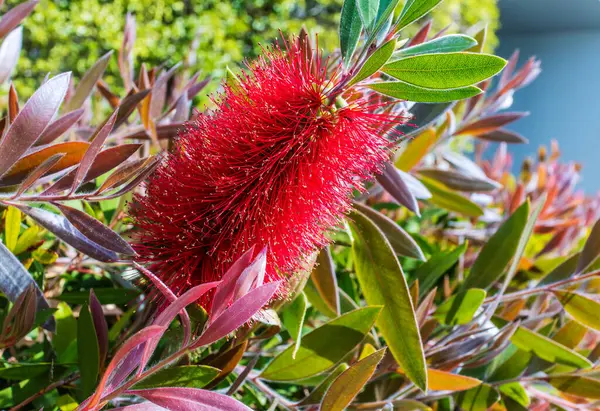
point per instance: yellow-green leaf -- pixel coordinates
(349, 383)
(416, 149)
(451, 200)
(445, 381)
(480, 398)
(581, 308)
(193, 376)
(460, 308)
(293, 319)
(498, 251)
(27, 239)
(580, 386)
(375, 62)
(12, 227)
(317, 353)
(324, 279)
(382, 283)
(515, 391)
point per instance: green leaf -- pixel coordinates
(414, 10)
(430, 272)
(509, 364)
(460, 308)
(384, 16)
(400, 240)
(563, 271)
(581, 308)
(570, 334)
(579, 386)
(350, 29)
(293, 319)
(65, 338)
(325, 281)
(27, 239)
(316, 300)
(367, 9)
(498, 251)
(446, 44)
(382, 282)
(317, 394)
(24, 371)
(88, 351)
(375, 62)
(445, 70)
(409, 92)
(545, 348)
(347, 386)
(451, 200)
(12, 227)
(317, 353)
(105, 296)
(480, 398)
(515, 391)
(191, 376)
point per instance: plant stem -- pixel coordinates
(545, 289)
(43, 391)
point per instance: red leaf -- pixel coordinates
(100, 326)
(32, 120)
(178, 399)
(392, 182)
(238, 314)
(58, 127)
(14, 16)
(490, 123)
(252, 277)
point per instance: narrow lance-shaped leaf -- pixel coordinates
(498, 251)
(414, 10)
(100, 327)
(33, 118)
(38, 172)
(10, 49)
(58, 127)
(490, 123)
(400, 240)
(445, 70)
(411, 92)
(581, 308)
(14, 16)
(460, 308)
(591, 250)
(317, 394)
(391, 180)
(350, 29)
(316, 353)
(445, 44)
(480, 398)
(87, 83)
(382, 282)
(63, 229)
(293, 319)
(585, 387)
(176, 398)
(15, 280)
(325, 281)
(445, 381)
(451, 200)
(192, 376)
(349, 383)
(375, 62)
(12, 227)
(95, 230)
(460, 181)
(88, 351)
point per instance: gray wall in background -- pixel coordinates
(564, 101)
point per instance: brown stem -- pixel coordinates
(43, 391)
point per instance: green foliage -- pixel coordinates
(71, 35)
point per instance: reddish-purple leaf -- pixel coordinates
(128, 105)
(145, 406)
(97, 141)
(95, 230)
(168, 315)
(10, 49)
(87, 83)
(104, 162)
(490, 123)
(180, 399)
(123, 174)
(225, 290)
(591, 250)
(196, 88)
(509, 69)
(394, 184)
(63, 229)
(240, 312)
(149, 168)
(171, 297)
(137, 339)
(100, 326)
(32, 120)
(421, 35)
(159, 91)
(38, 172)
(164, 131)
(503, 135)
(253, 276)
(59, 127)
(14, 16)
(460, 181)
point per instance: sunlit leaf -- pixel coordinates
(460, 308)
(192, 376)
(375, 62)
(580, 386)
(414, 10)
(410, 92)
(581, 308)
(446, 381)
(88, 351)
(382, 282)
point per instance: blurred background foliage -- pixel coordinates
(70, 35)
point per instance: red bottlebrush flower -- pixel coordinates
(273, 165)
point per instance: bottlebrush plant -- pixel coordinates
(315, 239)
